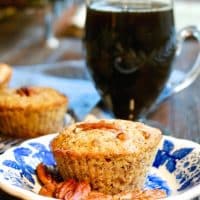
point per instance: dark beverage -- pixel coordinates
(129, 53)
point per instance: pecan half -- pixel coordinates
(99, 125)
(48, 189)
(66, 189)
(82, 191)
(43, 175)
(25, 91)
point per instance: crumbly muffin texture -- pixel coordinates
(107, 137)
(112, 155)
(31, 111)
(30, 97)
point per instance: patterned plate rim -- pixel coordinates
(28, 195)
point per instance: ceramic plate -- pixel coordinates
(176, 168)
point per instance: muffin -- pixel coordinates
(31, 111)
(5, 75)
(112, 155)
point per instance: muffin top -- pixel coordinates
(5, 73)
(106, 137)
(31, 97)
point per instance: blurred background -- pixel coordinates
(48, 31)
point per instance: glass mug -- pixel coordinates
(130, 47)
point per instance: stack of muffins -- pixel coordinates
(29, 111)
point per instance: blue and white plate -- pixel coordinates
(176, 168)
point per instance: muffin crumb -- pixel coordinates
(122, 136)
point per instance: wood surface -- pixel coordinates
(181, 112)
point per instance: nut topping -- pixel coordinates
(65, 190)
(25, 91)
(122, 136)
(99, 125)
(43, 174)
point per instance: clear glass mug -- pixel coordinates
(130, 48)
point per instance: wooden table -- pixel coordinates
(180, 113)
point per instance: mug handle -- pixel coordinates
(180, 80)
(194, 72)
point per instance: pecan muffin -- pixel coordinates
(5, 75)
(31, 111)
(112, 155)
